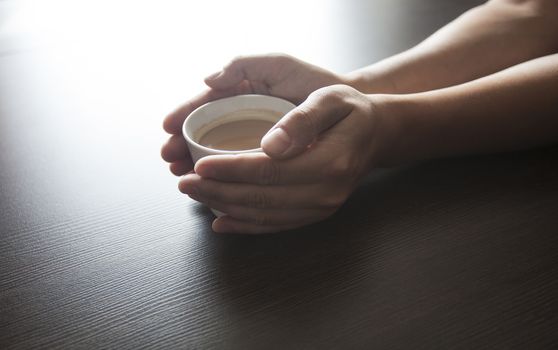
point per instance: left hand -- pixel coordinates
(314, 158)
(276, 75)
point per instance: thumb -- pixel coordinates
(299, 128)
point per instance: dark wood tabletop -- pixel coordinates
(98, 249)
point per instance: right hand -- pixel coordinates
(314, 158)
(273, 74)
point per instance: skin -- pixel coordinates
(486, 82)
(275, 74)
(482, 41)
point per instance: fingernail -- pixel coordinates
(216, 226)
(185, 184)
(193, 192)
(276, 142)
(205, 171)
(188, 177)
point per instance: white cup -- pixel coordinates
(223, 111)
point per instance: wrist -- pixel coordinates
(404, 130)
(385, 129)
(353, 79)
(376, 79)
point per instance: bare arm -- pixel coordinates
(486, 82)
(484, 40)
(351, 133)
(513, 109)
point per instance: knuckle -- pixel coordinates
(236, 59)
(208, 192)
(251, 215)
(342, 90)
(235, 64)
(306, 119)
(340, 168)
(340, 95)
(181, 186)
(333, 201)
(336, 93)
(346, 168)
(321, 93)
(210, 195)
(258, 200)
(269, 173)
(281, 58)
(333, 93)
(261, 219)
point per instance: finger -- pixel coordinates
(258, 168)
(227, 224)
(266, 217)
(299, 128)
(260, 216)
(175, 149)
(181, 167)
(255, 68)
(259, 197)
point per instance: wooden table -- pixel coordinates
(98, 249)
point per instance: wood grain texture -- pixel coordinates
(98, 250)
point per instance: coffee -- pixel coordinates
(238, 131)
(203, 140)
(236, 135)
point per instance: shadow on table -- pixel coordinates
(380, 243)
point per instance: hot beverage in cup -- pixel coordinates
(232, 125)
(238, 131)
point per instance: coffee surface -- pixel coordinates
(236, 135)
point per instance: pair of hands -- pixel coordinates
(314, 156)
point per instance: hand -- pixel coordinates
(315, 157)
(276, 75)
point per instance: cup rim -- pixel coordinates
(223, 100)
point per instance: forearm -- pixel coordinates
(484, 40)
(509, 110)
